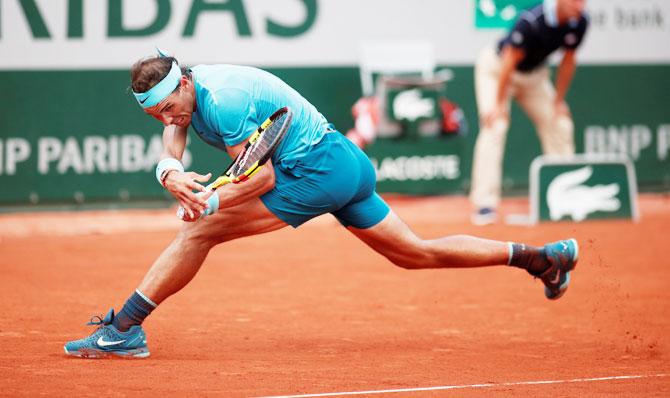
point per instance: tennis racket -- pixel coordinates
(259, 149)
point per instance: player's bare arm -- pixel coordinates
(182, 184)
(511, 57)
(234, 194)
(249, 157)
(564, 75)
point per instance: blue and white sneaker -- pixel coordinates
(562, 256)
(108, 341)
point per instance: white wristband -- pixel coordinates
(167, 164)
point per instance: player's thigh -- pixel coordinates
(246, 219)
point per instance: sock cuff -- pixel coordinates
(510, 252)
(145, 298)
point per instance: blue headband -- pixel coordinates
(160, 91)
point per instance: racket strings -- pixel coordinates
(259, 148)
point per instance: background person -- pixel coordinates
(516, 68)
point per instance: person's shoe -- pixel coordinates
(562, 256)
(108, 341)
(484, 216)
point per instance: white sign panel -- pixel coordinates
(95, 34)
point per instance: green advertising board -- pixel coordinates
(71, 144)
(418, 165)
(84, 140)
(583, 187)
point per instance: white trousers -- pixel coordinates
(535, 94)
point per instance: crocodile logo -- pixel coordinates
(411, 106)
(567, 195)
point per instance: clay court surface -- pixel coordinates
(313, 311)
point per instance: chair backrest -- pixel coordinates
(400, 57)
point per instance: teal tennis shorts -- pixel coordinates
(334, 176)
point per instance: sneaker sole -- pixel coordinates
(97, 354)
(561, 290)
(576, 256)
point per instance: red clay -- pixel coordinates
(313, 310)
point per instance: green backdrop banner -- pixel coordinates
(78, 136)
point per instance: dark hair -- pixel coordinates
(148, 72)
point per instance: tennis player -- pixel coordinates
(315, 170)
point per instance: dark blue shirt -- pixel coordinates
(538, 34)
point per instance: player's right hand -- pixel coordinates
(496, 113)
(182, 184)
(561, 109)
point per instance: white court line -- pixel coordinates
(464, 386)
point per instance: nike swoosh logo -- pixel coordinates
(102, 343)
(144, 100)
(557, 278)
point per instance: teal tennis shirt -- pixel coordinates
(232, 101)
(317, 170)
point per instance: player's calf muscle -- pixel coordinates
(415, 257)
